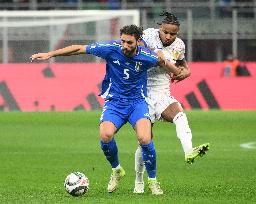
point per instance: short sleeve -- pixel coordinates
(152, 57)
(100, 49)
(148, 36)
(155, 57)
(180, 48)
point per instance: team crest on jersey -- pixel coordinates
(175, 54)
(138, 66)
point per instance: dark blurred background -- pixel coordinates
(211, 29)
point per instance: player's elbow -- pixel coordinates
(79, 48)
(189, 73)
(162, 63)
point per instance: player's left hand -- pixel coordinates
(40, 56)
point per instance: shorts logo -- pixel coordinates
(147, 115)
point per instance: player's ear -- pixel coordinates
(178, 30)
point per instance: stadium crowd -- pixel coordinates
(224, 5)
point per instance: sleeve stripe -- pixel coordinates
(144, 42)
(149, 55)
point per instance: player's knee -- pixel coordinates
(144, 140)
(106, 135)
(107, 131)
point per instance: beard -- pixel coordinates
(129, 52)
(168, 43)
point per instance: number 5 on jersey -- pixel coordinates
(126, 74)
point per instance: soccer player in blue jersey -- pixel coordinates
(126, 70)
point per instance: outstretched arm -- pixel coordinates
(66, 51)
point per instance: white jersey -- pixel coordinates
(158, 79)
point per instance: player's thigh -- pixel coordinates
(139, 110)
(111, 113)
(163, 101)
(143, 130)
(140, 120)
(171, 111)
(152, 108)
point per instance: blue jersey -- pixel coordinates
(126, 77)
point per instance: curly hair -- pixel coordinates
(134, 30)
(169, 18)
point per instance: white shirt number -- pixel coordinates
(126, 74)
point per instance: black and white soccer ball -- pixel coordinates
(76, 184)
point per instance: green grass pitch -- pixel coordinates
(38, 150)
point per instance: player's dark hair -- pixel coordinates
(132, 30)
(169, 18)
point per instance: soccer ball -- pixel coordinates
(76, 184)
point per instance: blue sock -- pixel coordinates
(149, 158)
(111, 152)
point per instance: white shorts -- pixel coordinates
(157, 104)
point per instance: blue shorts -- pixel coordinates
(122, 111)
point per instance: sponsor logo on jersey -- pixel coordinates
(116, 62)
(175, 54)
(93, 45)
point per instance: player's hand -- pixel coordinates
(40, 56)
(185, 73)
(161, 56)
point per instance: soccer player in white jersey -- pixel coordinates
(162, 105)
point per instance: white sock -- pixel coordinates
(118, 167)
(183, 131)
(139, 165)
(151, 179)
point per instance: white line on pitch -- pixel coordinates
(250, 145)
